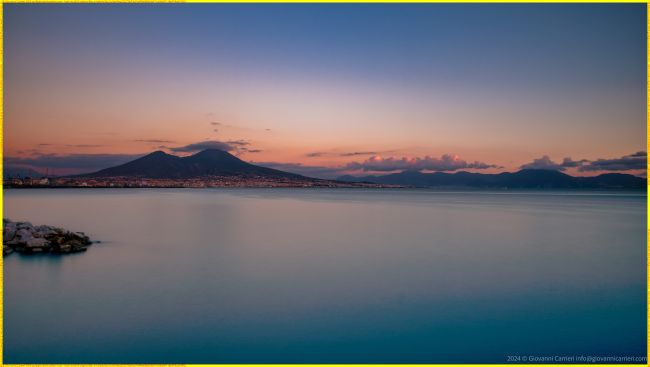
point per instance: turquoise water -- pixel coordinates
(328, 276)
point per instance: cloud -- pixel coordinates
(547, 163)
(315, 154)
(446, 162)
(242, 150)
(635, 161)
(310, 171)
(29, 152)
(69, 145)
(83, 145)
(208, 144)
(231, 145)
(352, 154)
(68, 164)
(238, 142)
(570, 163)
(228, 126)
(155, 141)
(346, 154)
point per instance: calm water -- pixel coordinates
(327, 276)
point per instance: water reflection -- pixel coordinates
(328, 276)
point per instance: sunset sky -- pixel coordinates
(328, 89)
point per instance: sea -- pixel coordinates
(329, 276)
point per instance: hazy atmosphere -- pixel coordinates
(325, 90)
(324, 183)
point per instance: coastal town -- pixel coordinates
(195, 182)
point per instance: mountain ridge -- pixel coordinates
(219, 163)
(523, 179)
(209, 162)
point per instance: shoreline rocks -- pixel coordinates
(23, 237)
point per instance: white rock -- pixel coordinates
(44, 231)
(21, 225)
(37, 242)
(24, 235)
(8, 234)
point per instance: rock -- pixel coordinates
(33, 244)
(8, 233)
(13, 242)
(76, 246)
(6, 250)
(26, 238)
(24, 235)
(44, 231)
(37, 242)
(24, 225)
(62, 249)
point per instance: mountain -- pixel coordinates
(210, 162)
(524, 179)
(9, 172)
(215, 162)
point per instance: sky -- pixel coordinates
(328, 89)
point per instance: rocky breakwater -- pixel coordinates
(26, 238)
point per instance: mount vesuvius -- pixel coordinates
(209, 162)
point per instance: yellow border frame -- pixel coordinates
(330, 1)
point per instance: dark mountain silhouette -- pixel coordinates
(210, 162)
(524, 179)
(215, 162)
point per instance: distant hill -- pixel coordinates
(215, 162)
(12, 172)
(524, 179)
(210, 162)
